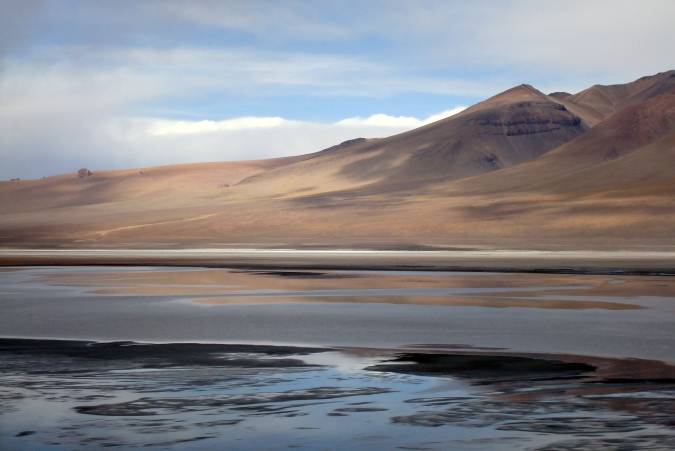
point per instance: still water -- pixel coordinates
(220, 359)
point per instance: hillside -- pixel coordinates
(521, 169)
(510, 128)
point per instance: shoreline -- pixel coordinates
(507, 261)
(627, 368)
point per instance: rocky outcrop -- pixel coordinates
(352, 141)
(559, 95)
(527, 118)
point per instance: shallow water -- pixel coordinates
(79, 395)
(619, 316)
(407, 360)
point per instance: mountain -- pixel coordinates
(601, 101)
(520, 169)
(512, 127)
(575, 166)
(612, 186)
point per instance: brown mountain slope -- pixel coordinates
(572, 167)
(612, 186)
(600, 101)
(164, 185)
(615, 186)
(512, 127)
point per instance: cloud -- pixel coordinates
(444, 114)
(385, 120)
(66, 106)
(169, 127)
(267, 20)
(382, 123)
(563, 45)
(247, 137)
(130, 75)
(614, 37)
(65, 143)
(380, 120)
(75, 93)
(579, 41)
(570, 41)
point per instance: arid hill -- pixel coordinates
(510, 128)
(522, 169)
(601, 101)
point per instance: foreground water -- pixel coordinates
(334, 360)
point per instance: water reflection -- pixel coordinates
(408, 360)
(83, 395)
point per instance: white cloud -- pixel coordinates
(399, 122)
(65, 107)
(128, 75)
(380, 120)
(170, 127)
(269, 20)
(259, 137)
(577, 42)
(619, 38)
(444, 114)
(65, 143)
(379, 124)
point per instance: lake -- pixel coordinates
(216, 358)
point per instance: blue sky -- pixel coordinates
(113, 84)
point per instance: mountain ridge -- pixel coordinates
(521, 168)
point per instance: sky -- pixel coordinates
(119, 84)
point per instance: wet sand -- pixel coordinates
(571, 261)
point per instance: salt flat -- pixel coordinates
(581, 261)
